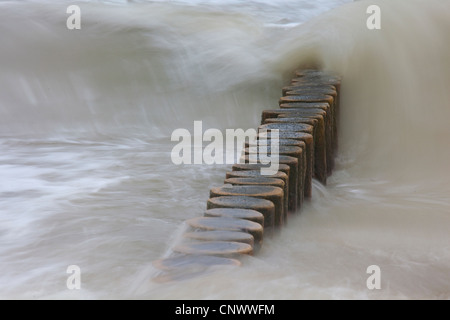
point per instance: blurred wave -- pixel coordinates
(85, 124)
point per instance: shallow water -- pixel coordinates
(85, 124)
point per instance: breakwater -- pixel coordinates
(250, 207)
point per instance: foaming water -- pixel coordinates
(85, 125)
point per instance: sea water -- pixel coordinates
(86, 117)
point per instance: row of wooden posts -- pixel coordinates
(250, 207)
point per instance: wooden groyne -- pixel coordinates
(250, 207)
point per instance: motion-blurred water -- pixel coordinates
(85, 123)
